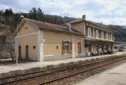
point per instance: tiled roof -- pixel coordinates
(76, 21)
(52, 27)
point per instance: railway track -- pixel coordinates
(65, 75)
(90, 71)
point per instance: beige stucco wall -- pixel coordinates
(79, 27)
(54, 39)
(30, 40)
(29, 30)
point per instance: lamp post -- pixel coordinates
(17, 41)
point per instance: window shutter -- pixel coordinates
(62, 47)
(79, 47)
(70, 47)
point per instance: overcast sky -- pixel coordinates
(105, 11)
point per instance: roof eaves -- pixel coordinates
(19, 26)
(33, 24)
(76, 21)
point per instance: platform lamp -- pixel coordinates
(17, 40)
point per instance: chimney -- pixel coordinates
(83, 17)
(69, 27)
(21, 17)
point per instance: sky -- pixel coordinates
(103, 11)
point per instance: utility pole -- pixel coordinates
(17, 40)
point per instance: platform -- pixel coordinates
(115, 76)
(4, 68)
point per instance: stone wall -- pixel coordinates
(7, 47)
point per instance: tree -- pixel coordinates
(40, 11)
(1, 12)
(40, 14)
(33, 13)
(8, 12)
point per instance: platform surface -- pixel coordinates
(4, 68)
(115, 76)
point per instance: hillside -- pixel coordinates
(120, 34)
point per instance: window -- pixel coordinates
(108, 36)
(89, 32)
(111, 36)
(97, 33)
(34, 47)
(104, 35)
(57, 47)
(86, 31)
(67, 47)
(94, 32)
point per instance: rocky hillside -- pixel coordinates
(120, 34)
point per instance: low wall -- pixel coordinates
(62, 74)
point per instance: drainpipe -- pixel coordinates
(16, 49)
(40, 46)
(84, 38)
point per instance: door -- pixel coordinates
(19, 48)
(90, 48)
(27, 52)
(107, 47)
(97, 48)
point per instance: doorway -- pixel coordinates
(27, 52)
(19, 48)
